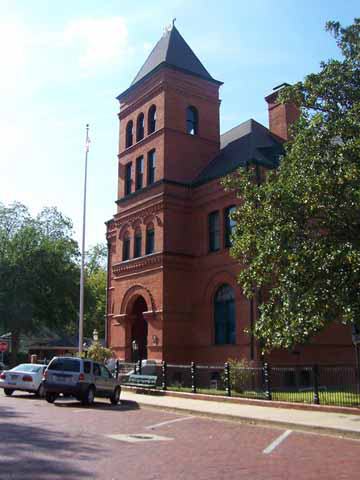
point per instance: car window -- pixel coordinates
(97, 370)
(105, 372)
(25, 367)
(65, 365)
(87, 367)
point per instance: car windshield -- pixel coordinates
(27, 367)
(65, 365)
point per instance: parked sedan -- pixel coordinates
(26, 377)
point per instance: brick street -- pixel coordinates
(68, 441)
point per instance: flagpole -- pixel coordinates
(81, 309)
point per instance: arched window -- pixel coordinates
(225, 316)
(137, 244)
(152, 119)
(192, 121)
(150, 239)
(126, 247)
(129, 134)
(140, 127)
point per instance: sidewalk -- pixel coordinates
(331, 423)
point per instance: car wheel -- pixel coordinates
(89, 396)
(40, 391)
(8, 391)
(115, 396)
(50, 397)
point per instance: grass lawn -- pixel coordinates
(340, 398)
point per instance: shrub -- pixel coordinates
(99, 353)
(240, 374)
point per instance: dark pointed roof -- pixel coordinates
(249, 142)
(172, 51)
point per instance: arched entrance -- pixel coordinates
(139, 329)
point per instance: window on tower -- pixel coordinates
(152, 119)
(139, 173)
(128, 178)
(140, 127)
(192, 121)
(126, 247)
(150, 240)
(151, 167)
(129, 134)
(137, 244)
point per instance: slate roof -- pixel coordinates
(172, 50)
(249, 142)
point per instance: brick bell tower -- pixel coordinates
(169, 131)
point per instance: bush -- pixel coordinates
(99, 353)
(240, 374)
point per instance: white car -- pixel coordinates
(27, 377)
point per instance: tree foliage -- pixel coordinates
(298, 232)
(95, 290)
(38, 271)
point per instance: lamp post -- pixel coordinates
(135, 350)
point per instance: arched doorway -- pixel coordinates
(139, 329)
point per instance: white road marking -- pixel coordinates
(277, 442)
(151, 427)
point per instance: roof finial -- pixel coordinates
(169, 27)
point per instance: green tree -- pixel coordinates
(95, 290)
(39, 272)
(298, 232)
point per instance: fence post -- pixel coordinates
(193, 377)
(117, 369)
(267, 382)
(227, 379)
(315, 370)
(164, 375)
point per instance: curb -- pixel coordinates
(245, 401)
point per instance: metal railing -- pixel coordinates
(318, 384)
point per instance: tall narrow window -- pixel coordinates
(137, 244)
(150, 240)
(128, 178)
(126, 247)
(214, 231)
(140, 127)
(225, 316)
(129, 134)
(152, 119)
(192, 121)
(229, 225)
(151, 167)
(139, 173)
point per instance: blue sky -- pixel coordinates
(63, 63)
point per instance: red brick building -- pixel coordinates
(171, 282)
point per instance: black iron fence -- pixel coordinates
(327, 385)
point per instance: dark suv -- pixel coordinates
(81, 378)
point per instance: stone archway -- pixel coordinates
(139, 328)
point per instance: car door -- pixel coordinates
(106, 379)
(99, 380)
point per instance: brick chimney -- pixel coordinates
(281, 116)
